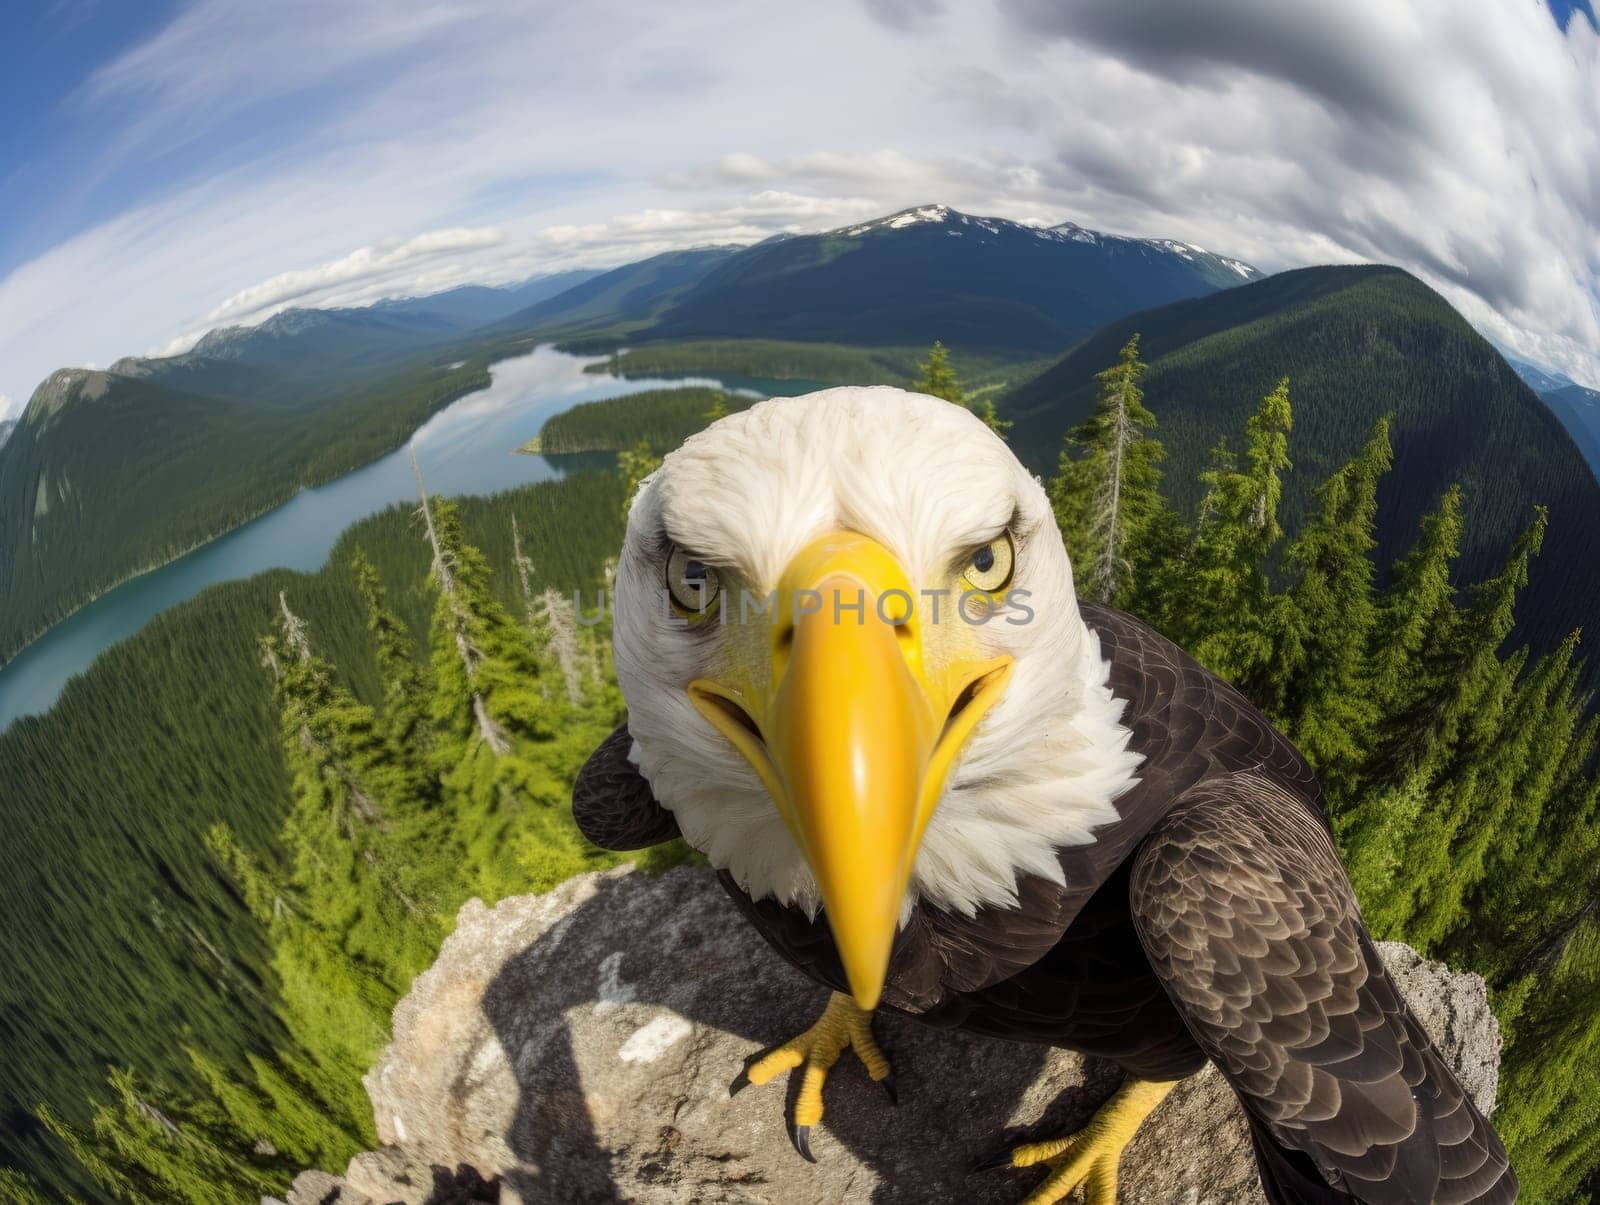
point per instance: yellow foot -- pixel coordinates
(841, 1025)
(1088, 1159)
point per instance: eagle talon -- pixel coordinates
(1087, 1158)
(842, 1026)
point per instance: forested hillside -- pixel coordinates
(246, 828)
(109, 474)
(662, 418)
(1459, 767)
(110, 893)
(982, 284)
(621, 300)
(1358, 345)
(114, 472)
(1579, 410)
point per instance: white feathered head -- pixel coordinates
(854, 663)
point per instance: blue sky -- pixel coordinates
(47, 52)
(1565, 9)
(171, 165)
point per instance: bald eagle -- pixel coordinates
(860, 683)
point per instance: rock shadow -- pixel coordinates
(620, 1100)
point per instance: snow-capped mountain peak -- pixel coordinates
(961, 225)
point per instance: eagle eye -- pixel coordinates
(692, 584)
(989, 568)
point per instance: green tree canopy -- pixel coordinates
(937, 377)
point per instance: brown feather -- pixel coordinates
(1212, 919)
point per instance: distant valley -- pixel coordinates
(1577, 407)
(111, 473)
(1358, 344)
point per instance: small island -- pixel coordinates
(663, 418)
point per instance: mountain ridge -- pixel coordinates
(179, 449)
(985, 284)
(1358, 343)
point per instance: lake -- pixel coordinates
(467, 448)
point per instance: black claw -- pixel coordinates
(802, 1142)
(740, 1083)
(992, 1163)
(887, 1084)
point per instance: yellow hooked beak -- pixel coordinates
(854, 729)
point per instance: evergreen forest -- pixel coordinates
(280, 793)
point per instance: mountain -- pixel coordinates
(7, 425)
(110, 473)
(980, 284)
(1579, 411)
(623, 299)
(1540, 380)
(114, 472)
(1576, 406)
(297, 353)
(1357, 343)
(472, 306)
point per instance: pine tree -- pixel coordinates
(1447, 757)
(402, 717)
(991, 418)
(1408, 666)
(331, 739)
(397, 666)
(550, 618)
(1530, 765)
(19, 1189)
(350, 867)
(1107, 497)
(1542, 888)
(719, 408)
(633, 466)
(492, 718)
(1550, 1068)
(147, 1149)
(1230, 617)
(1418, 602)
(1320, 663)
(937, 378)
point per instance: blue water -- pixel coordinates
(467, 448)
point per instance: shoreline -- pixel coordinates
(10, 655)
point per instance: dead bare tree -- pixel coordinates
(1106, 525)
(444, 567)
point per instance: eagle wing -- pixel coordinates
(1246, 914)
(612, 802)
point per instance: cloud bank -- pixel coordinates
(392, 149)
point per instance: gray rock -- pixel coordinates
(319, 1188)
(579, 1046)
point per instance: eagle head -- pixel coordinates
(855, 667)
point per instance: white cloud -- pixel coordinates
(393, 268)
(431, 145)
(1464, 146)
(444, 259)
(8, 407)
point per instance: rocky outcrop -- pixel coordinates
(580, 1045)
